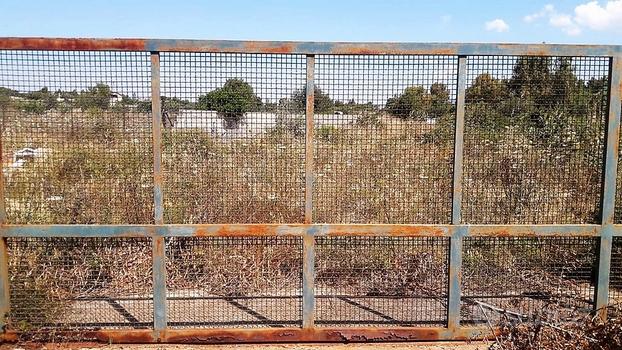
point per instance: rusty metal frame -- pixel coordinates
(308, 243)
(455, 248)
(158, 246)
(308, 230)
(609, 185)
(306, 48)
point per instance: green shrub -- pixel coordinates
(235, 98)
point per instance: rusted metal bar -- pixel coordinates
(308, 282)
(307, 48)
(309, 131)
(156, 114)
(267, 335)
(159, 286)
(609, 186)
(299, 230)
(308, 263)
(455, 252)
(159, 254)
(5, 302)
(456, 208)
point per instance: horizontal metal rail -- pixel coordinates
(247, 230)
(306, 48)
(272, 335)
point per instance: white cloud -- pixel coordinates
(497, 25)
(590, 15)
(596, 17)
(565, 23)
(445, 19)
(546, 10)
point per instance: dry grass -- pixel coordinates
(98, 170)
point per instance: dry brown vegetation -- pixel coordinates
(95, 169)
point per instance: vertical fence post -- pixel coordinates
(5, 304)
(158, 248)
(455, 251)
(308, 262)
(609, 186)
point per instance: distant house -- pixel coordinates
(115, 98)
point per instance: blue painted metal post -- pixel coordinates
(609, 186)
(308, 263)
(159, 254)
(455, 252)
(5, 304)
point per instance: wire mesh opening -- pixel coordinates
(81, 283)
(528, 278)
(233, 142)
(234, 282)
(534, 131)
(381, 281)
(384, 128)
(76, 137)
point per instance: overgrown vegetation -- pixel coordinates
(588, 334)
(533, 154)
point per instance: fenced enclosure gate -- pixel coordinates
(222, 191)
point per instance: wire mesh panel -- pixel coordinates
(233, 144)
(534, 130)
(84, 283)
(234, 282)
(76, 136)
(615, 282)
(384, 128)
(527, 278)
(381, 281)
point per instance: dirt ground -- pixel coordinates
(368, 346)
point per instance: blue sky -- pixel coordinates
(581, 21)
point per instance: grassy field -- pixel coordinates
(96, 167)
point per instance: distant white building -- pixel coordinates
(115, 98)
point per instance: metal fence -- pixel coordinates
(219, 191)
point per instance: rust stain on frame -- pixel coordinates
(72, 44)
(270, 335)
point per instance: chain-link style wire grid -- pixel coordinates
(384, 129)
(234, 282)
(615, 277)
(81, 283)
(233, 139)
(76, 137)
(534, 134)
(527, 278)
(381, 281)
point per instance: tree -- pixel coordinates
(231, 101)
(489, 105)
(532, 79)
(44, 98)
(440, 105)
(97, 96)
(322, 103)
(487, 89)
(413, 103)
